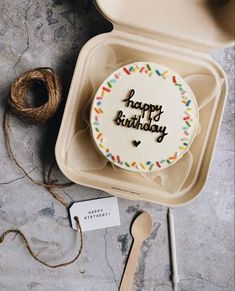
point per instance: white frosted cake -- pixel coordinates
(144, 117)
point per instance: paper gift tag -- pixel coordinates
(95, 214)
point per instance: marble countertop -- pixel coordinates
(51, 33)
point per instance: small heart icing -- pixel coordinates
(136, 143)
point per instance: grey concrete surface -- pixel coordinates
(50, 33)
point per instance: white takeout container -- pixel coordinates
(180, 34)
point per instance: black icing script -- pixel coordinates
(151, 112)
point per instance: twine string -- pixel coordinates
(32, 253)
(18, 103)
(7, 131)
(51, 187)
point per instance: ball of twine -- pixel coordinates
(18, 99)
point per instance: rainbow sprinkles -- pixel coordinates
(179, 109)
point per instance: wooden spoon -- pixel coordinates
(141, 230)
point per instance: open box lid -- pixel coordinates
(201, 24)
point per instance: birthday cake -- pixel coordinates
(144, 117)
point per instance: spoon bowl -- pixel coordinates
(142, 226)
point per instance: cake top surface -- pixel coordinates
(144, 117)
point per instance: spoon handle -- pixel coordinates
(129, 272)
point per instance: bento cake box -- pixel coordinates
(180, 36)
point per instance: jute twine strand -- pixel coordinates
(18, 103)
(48, 184)
(35, 256)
